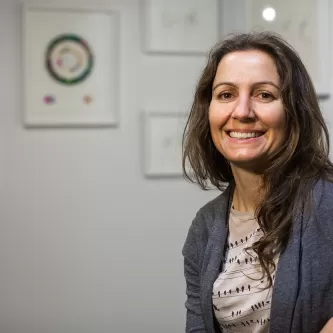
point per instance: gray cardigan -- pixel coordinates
(302, 298)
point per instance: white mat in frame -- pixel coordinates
(180, 26)
(92, 101)
(162, 143)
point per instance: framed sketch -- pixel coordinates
(180, 26)
(305, 24)
(70, 66)
(162, 143)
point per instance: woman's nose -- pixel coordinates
(243, 109)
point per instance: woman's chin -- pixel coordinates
(254, 163)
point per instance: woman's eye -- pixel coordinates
(265, 96)
(225, 95)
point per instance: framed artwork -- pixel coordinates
(162, 143)
(70, 66)
(305, 24)
(180, 26)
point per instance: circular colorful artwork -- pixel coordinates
(69, 59)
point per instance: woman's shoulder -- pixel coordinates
(321, 218)
(323, 193)
(212, 214)
(213, 210)
(210, 220)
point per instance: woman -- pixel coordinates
(255, 125)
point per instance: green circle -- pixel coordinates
(69, 38)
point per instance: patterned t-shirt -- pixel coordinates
(241, 302)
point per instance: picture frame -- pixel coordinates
(70, 63)
(182, 27)
(306, 26)
(162, 143)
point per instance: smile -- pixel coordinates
(244, 135)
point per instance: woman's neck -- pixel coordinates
(248, 190)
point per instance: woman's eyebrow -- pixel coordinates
(224, 84)
(259, 83)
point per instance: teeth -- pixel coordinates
(242, 135)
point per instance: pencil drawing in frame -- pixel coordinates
(180, 26)
(162, 143)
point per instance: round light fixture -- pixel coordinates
(269, 14)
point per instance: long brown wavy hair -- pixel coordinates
(299, 162)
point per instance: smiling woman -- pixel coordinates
(255, 124)
(246, 112)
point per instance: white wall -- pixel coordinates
(86, 243)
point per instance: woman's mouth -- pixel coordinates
(244, 135)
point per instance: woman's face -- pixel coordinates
(246, 113)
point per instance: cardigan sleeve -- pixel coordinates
(194, 318)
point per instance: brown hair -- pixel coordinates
(301, 160)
